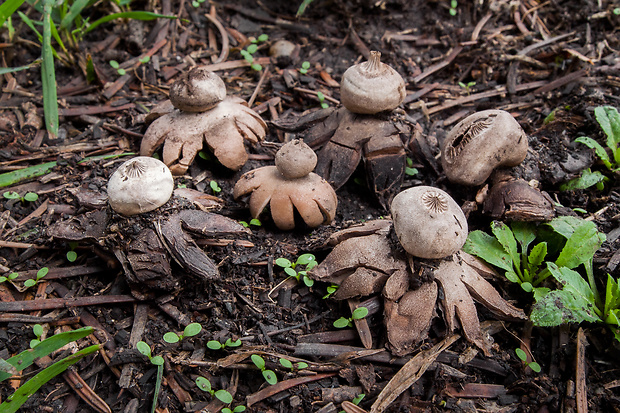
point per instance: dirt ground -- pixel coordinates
(548, 63)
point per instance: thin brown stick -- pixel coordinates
(223, 34)
(283, 385)
(53, 303)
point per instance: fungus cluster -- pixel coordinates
(289, 187)
(203, 112)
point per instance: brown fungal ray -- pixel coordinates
(484, 292)
(184, 249)
(408, 320)
(91, 226)
(338, 159)
(516, 200)
(361, 283)
(149, 262)
(375, 226)
(385, 161)
(372, 251)
(458, 305)
(210, 224)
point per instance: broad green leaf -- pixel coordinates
(527, 286)
(5, 367)
(286, 363)
(560, 307)
(305, 259)
(214, 345)
(258, 361)
(230, 343)
(513, 277)
(203, 384)
(598, 149)
(283, 262)
(291, 272)
(565, 225)
(157, 361)
(171, 337)
(524, 233)
(23, 393)
(270, 377)
(505, 237)
(584, 181)
(341, 322)
(540, 292)
(192, 329)
(143, 348)
(521, 354)
(488, 248)
(8, 8)
(581, 246)
(609, 120)
(612, 301)
(572, 281)
(359, 313)
(537, 256)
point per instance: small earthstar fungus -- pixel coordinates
(202, 112)
(432, 228)
(140, 185)
(480, 143)
(288, 186)
(364, 127)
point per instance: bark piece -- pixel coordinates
(516, 200)
(90, 226)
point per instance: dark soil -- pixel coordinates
(531, 58)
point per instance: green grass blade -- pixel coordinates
(14, 177)
(74, 11)
(5, 70)
(136, 15)
(48, 76)
(8, 8)
(23, 393)
(44, 348)
(30, 24)
(158, 379)
(302, 7)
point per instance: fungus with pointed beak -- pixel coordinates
(290, 185)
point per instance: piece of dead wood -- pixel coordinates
(137, 330)
(410, 373)
(283, 385)
(361, 324)
(66, 272)
(581, 390)
(94, 110)
(53, 303)
(438, 66)
(477, 390)
(86, 393)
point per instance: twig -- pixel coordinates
(225, 43)
(258, 86)
(438, 66)
(52, 303)
(283, 385)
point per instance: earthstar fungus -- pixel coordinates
(290, 185)
(480, 143)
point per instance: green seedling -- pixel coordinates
(72, 255)
(197, 3)
(157, 361)
(409, 169)
(215, 187)
(331, 290)
(608, 119)
(287, 364)
(467, 86)
(115, 65)
(308, 260)
(304, 68)
(33, 281)
(357, 314)
(205, 385)
(523, 357)
(321, 98)
(28, 197)
(248, 53)
(254, 221)
(37, 329)
(269, 375)
(23, 360)
(216, 345)
(453, 5)
(302, 7)
(189, 331)
(9, 277)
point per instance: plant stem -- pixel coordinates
(48, 76)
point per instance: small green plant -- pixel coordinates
(409, 169)
(31, 282)
(357, 314)
(248, 52)
(356, 401)
(254, 221)
(467, 86)
(236, 409)
(331, 290)
(302, 7)
(23, 360)
(216, 345)
(10, 277)
(190, 330)
(269, 375)
(115, 65)
(287, 364)
(157, 361)
(28, 197)
(71, 254)
(453, 5)
(215, 187)
(608, 119)
(205, 385)
(37, 329)
(197, 3)
(523, 357)
(304, 68)
(321, 98)
(308, 260)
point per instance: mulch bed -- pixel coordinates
(530, 58)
